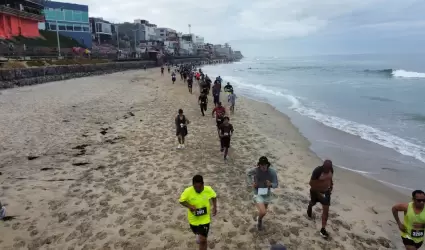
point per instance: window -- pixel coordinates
(62, 27)
(86, 28)
(68, 15)
(77, 27)
(77, 16)
(52, 26)
(69, 27)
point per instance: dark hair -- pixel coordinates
(414, 193)
(219, 103)
(197, 179)
(263, 160)
(226, 118)
(180, 111)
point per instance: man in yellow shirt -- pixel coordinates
(196, 199)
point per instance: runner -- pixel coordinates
(412, 228)
(190, 83)
(321, 186)
(181, 128)
(262, 178)
(169, 68)
(2, 211)
(162, 70)
(228, 88)
(173, 77)
(220, 113)
(231, 99)
(216, 93)
(184, 75)
(203, 102)
(226, 132)
(197, 201)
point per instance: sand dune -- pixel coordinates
(91, 163)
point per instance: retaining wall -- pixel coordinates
(11, 78)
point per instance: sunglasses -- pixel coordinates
(420, 200)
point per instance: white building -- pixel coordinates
(145, 31)
(164, 34)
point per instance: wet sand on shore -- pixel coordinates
(91, 163)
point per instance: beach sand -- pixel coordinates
(91, 163)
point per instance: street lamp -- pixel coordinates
(57, 30)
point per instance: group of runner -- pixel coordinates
(263, 177)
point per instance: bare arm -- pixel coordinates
(214, 201)
(402, 207)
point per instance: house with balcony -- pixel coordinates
(71, 20)
(20, 18)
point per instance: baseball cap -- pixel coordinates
(278, 247)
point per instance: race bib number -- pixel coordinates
(182, 125)
(417, 233)
(201, 211)
(226, 134)
(263, 191)
(218, 119)
(203, 102)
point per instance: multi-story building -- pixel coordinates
(221, 50)
(145, 31)
(166, 34)
(70, 19)
(20, 18)
(100, 29)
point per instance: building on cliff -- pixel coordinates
(20, 18)
(72, 20)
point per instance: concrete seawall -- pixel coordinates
(11, 78)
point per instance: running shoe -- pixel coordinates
(324, 233)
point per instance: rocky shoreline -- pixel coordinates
(11, 78)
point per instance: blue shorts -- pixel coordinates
(263, 199)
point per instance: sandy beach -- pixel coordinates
(91, 163)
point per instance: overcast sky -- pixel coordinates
(284, 27)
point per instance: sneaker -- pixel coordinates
(2, 212)
(182, 146)
(309, 211)
(179, 146)
(324, 233)
(198, 241)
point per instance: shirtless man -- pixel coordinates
(321, 185)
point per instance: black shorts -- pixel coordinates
(189, 86)
(318, 197)
(219, 122)
(408, 242)
(216, 99)
(225, 141)
(201, 229)
(181, 131)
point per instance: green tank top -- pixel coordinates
(415, 225)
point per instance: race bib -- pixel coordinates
(226, 134)
(263, 191)
(182, 125)
(200, 211)
(203, 102)
(417, 233)
(218, 119)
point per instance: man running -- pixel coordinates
(181, 128)
(220, 112)
(162, 70)
(321, 186)
(226, 132)
(228, 88)
(231, 99)
(169, 68)
(216, 93)
(413, 226)
(203, 102)
(173, 77)
(262, 178)
(197, 201)
(190, 83)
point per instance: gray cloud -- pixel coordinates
(258, 21)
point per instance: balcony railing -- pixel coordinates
(22, 14)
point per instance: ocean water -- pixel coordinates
(365, 112)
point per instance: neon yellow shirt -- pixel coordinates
(415, 225)
(201, 201)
